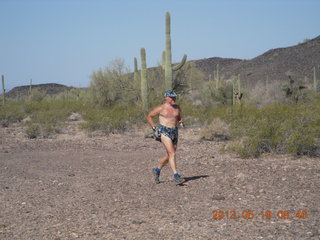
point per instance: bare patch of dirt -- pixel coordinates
(77, 187)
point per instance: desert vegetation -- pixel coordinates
(113, 103)
(266, 117)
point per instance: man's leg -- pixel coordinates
(163, 161)
(171, 153)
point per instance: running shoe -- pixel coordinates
(178, 179)
(156, 175)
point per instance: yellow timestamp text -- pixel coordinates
(264, 214)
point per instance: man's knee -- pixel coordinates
(171, 154)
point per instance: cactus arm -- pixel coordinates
(180, 65)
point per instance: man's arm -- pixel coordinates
(156, 111)
(180, 118)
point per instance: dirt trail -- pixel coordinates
(79, 187)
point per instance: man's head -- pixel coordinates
(170, 96)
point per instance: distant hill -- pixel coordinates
(49, 89)
(274, 64)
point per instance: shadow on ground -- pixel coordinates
(195, 177)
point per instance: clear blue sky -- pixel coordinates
(64, 41)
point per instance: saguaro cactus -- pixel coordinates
(30, 90)
(216, 76)
(236, 88)
(144, 82)
(229, 92)
(3, 91)
(136, 79)
(167, 57)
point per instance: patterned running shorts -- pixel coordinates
(171, 133)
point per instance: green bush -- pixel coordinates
(287, 128)
(217, 130)
(112, 85)
(112, 119)
(47, 115)
(33, 131)
(11, 112)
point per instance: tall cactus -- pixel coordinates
(236, 89)
(30, 90)
(167, 57)
(3, 91)
(229, 92)
(217, 76)
(144, 82)
(136, 79)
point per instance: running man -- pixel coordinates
(169, 117)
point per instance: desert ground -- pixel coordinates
(76, 186)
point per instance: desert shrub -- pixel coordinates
(217, 130)
(52, 114)
(11, 112)
(295, 91)
(276, 128)
(286, 128)
(75, 94)
(112, 85)
(213, 94)
(48, 116)
(113, 119)
(33, 130)
(37, 95)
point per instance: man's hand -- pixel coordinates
(156, 133)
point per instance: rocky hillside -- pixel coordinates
(275, 64)
(49, 89)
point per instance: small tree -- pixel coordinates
(112, 85)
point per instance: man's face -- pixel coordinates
(171, 100)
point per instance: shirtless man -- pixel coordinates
(169, 117)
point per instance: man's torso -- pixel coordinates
(169, 115)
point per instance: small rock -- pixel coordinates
(74, 235)
(138, 222)
(241, 176)
(218, 198)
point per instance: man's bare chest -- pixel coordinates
(169, 112)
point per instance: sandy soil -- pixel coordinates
(78, 187)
